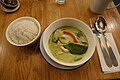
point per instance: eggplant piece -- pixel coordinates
(55, 37)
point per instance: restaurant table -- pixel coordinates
(27, 63)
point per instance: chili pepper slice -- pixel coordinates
(74, 39)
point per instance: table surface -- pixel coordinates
(27, 63)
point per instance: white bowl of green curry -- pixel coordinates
(69, 42)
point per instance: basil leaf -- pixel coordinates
(76, 48)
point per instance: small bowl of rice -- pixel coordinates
(23, 31)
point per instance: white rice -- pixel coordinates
(23, 31)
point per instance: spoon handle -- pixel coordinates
(111, 53)
(105, 53)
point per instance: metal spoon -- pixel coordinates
(102, 46)
(101, 27)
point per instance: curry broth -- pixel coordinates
(62, 39)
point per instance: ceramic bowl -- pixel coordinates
(70, 22)
(23, 31)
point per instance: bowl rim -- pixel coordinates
(23, 18)
(58, 61)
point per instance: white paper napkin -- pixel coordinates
(104, 67)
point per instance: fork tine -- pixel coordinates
(90, 23)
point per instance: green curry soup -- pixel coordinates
(68, 44)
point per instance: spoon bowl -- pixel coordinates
(101, 25)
